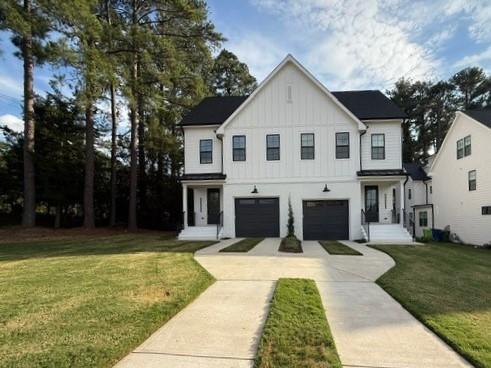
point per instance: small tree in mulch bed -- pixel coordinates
(290, 244)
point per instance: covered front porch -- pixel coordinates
(202, 209)
(383, 208)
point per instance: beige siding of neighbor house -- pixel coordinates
(454, 204)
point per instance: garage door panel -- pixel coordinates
(257, 217)
(325, 220)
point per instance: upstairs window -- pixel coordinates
(308, 148)
(431, 189)
(472, 180)
(423, 219)
(409, 194)
(206, 151)
(342, 145)
(239, 147)
(464, 147)
(273, 147)
(378, 146)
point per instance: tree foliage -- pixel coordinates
(230, 77)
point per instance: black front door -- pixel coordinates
(371, 203)
(213, 203)
(190, 209)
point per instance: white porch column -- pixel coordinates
(402, 201)
(185, 205)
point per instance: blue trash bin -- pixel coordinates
(437, 235)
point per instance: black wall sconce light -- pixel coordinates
(254, 191)
(326, 189)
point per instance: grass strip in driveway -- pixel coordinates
(87, 302)
(296, 333)
(448, 288)
(243, 245)
(336, 248)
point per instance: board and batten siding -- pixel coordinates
(310, 110)
(393, 145)
(192, 136)
(454, 204)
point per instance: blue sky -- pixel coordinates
(346, 44)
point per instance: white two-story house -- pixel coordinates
(335, 156)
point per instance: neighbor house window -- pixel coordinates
(205, 151)
(486, 210)
(423, 219)
(378, 146)
(409, 194)
(273, 147)
(239, 147)
(472, 180)
(308, 148)
(342, 145)
(431, 189)
(460, 149)
(464, 147)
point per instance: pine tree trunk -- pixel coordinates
(89, 222)
(114, 187)
(58, 216)
(29, 209)
(132, 219)
(142, 188)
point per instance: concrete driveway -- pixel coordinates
(223, 326)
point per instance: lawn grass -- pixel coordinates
(89, 302)
(336, 248)
(290, 245)
(243, 245)
(296, 333)
(448, 288)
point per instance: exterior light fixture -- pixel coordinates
(326, 189)
(254, 191)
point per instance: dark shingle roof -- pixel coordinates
(369, 105)
(483, 116)
(363, 104)
(213, 110)
(415, 171)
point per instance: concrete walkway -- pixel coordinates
(223, 326)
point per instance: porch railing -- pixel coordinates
(408, 222)
(365, 224)
(219, 223)
(396, 215)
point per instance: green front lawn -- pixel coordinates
(336, 248)
(296, 333)
(88, 302)
(243, 245)
(448, 288)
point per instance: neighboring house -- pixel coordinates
(461, 178)
(419, 198)
(336, 156)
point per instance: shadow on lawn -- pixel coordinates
(117, 244)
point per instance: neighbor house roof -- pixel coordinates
(415, 171)
(483, 116)
(365, 105)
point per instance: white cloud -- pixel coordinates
(259, 53)
(11, 86)
(12, 122)
(482, 59)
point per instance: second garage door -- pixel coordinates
(325, 220)
(257, 217)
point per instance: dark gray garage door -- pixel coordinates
(257, 217)
(325, 220)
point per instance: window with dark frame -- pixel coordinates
(467, 146)
(206, 151)
(460, 149)
(409, 194)
(239, 147)
(423, 219)
(307, 151)
(486, 210)
(342, 145)
(472, 180)
(431, 189)
(273, 147)
(378, 146)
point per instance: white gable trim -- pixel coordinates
(458, 114)
(290, 59)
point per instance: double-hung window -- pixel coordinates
(239, 147)
(342, 145)
(423, 219)
(472, 180)
(464, 147)
(206, 151)
(307, 151)
(378, 146)
(273, 147)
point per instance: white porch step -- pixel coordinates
(199, 233)
(389, 232)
